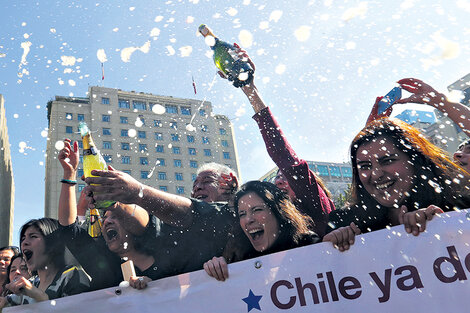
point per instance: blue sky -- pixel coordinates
(319, 65)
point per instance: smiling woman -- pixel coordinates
(399, 177)
(268, 222)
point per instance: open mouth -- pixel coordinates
(384, 185)
(27, 254)
(256, 233)
(111, 234)
(201, 197)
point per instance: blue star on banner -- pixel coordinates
(252, 301)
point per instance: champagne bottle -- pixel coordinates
(93, 160)
(227, 60)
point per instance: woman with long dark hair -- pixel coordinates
(44, 254)
(399, 177)
(268, 223)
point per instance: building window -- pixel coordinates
(127, 171)
(173, 109)
(80, 117)
(80, 173)
(204, 128)
(125, 146)
(192, 151)
(144, 161)
(335, 171)
(139, 105)
(163, 188)
(108, 158)
(179, 176)
(80, 187)
(69, 129)
(161, 175)
(207, 152)
(347, 172)
(193, 177)
(176, 150)
(224, 143)
(174, 125)
(175, 137)
(124, 104)
(126, 160)
(142, 134)
(180, 190)
(107, 145)
(205, 140)
(202, 112)
(185, 111)
(190, 138)
(157, 123)
(106, 118)
(222, 131)
(124, 133)
(177, 163)
(226, 155)
(158, 136)
(323, 170)
(81, 159)
(144, 174)
(161, 162)
(106, 131)
(142, 147)
(160, 148)
(69, 116)
(124, 120)
(104, 100)
(193, 164)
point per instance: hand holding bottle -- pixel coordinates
(374, 113)
(113, 184)
(69, 158)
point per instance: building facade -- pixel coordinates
(159, 140)
(336, 176)
(7, 187)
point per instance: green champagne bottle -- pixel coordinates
(92, 160)
(227, 60)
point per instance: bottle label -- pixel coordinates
(91, 151)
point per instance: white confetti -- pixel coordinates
(158, 109)
(158, 19)
(170, 50)
(15, 115)
(350, 45)
(190, 128)
(126, 53)
(72, 82)
(275, 15)
(44, 133)
(53, 30)
(232, 11)
(245, 38)
(186, 51)
(26, 46)
(68, 60)
(280, 69)
(101, 55)
(155, 32)
(59, 145)
(189, 19)
(302, 33)
(132, 133)
(359, 11)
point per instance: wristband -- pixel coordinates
(68, 181)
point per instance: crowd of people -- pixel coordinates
(399, 177)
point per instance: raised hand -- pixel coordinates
(69, 158)
(421, 92)
(374, 113)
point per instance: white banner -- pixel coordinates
(385, 271)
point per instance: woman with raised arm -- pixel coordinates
(268, 223)
(399, 177)
(303, 186)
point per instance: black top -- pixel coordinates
(188, 249)
(69, 281)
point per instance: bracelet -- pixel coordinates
(68, 181)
